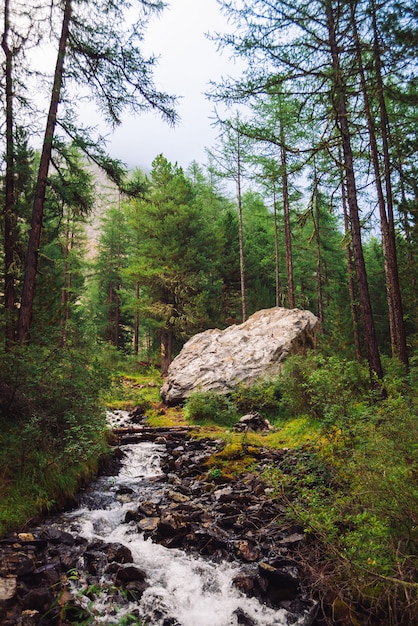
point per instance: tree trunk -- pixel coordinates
(351, 272)
(286, 215)
(394, 298)
(166, 349)
(276, 250)
(31, 264)
(241, 235)
(9, 192)
(408, 230)
(110, 314)
(316, 223)
(341, 111)
(136, 319)
(117, 317)
(66, 281)
(392, 262)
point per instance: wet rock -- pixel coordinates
(247, 551)
(243, 618)
(302, 606)
(118, 552)
(109, 464)
(282, 581)
(137, 415)
(124, 490)
(68, 560)
(95, 561)
(25, 568)
(130, 573)
(210, 542)
(25, 537)
(246, 582)
(54, 535)
(29, 617)
(171, 524)
(135, 589)
(149, 524)
(149, 509)
(131, 516)
(38, 599)
(177, 496)
(8, 587)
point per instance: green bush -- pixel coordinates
(324, 388)
(52, 427)
(366, 520)
(264, 396)
(210, 408)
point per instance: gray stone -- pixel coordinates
(176, 496)
(218, 360)
(8, 587)
(148, 524)
(252, 421)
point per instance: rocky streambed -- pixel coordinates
(166, 541)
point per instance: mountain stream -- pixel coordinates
(182, 589)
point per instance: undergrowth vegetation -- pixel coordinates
(349, 476)
(351, 481)
(52, 428)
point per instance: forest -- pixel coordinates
(307, 200)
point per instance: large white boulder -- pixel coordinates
(218, 360)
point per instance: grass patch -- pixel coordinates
(128, 391)
(38, 474)
(234, 459)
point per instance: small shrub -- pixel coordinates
(210, 408)
(324, 388)
(263, 396)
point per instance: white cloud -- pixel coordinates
(188, 61)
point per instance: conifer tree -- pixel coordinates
(175, 255)
(98, 49)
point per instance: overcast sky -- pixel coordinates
(187, 62)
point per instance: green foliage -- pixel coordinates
(355, 491)
(129, 391)
(377, 286)
(263, 396)
(225, 410)
(210, 408)
(53, 428)
(174, 255)
(106, 296)
(324, 388)
(301, 469)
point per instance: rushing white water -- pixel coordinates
(185, 590)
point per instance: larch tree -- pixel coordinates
(17, 32)
(378, 130)
(297, 48)
(99, 52)
(228, 159)
(339, 95)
